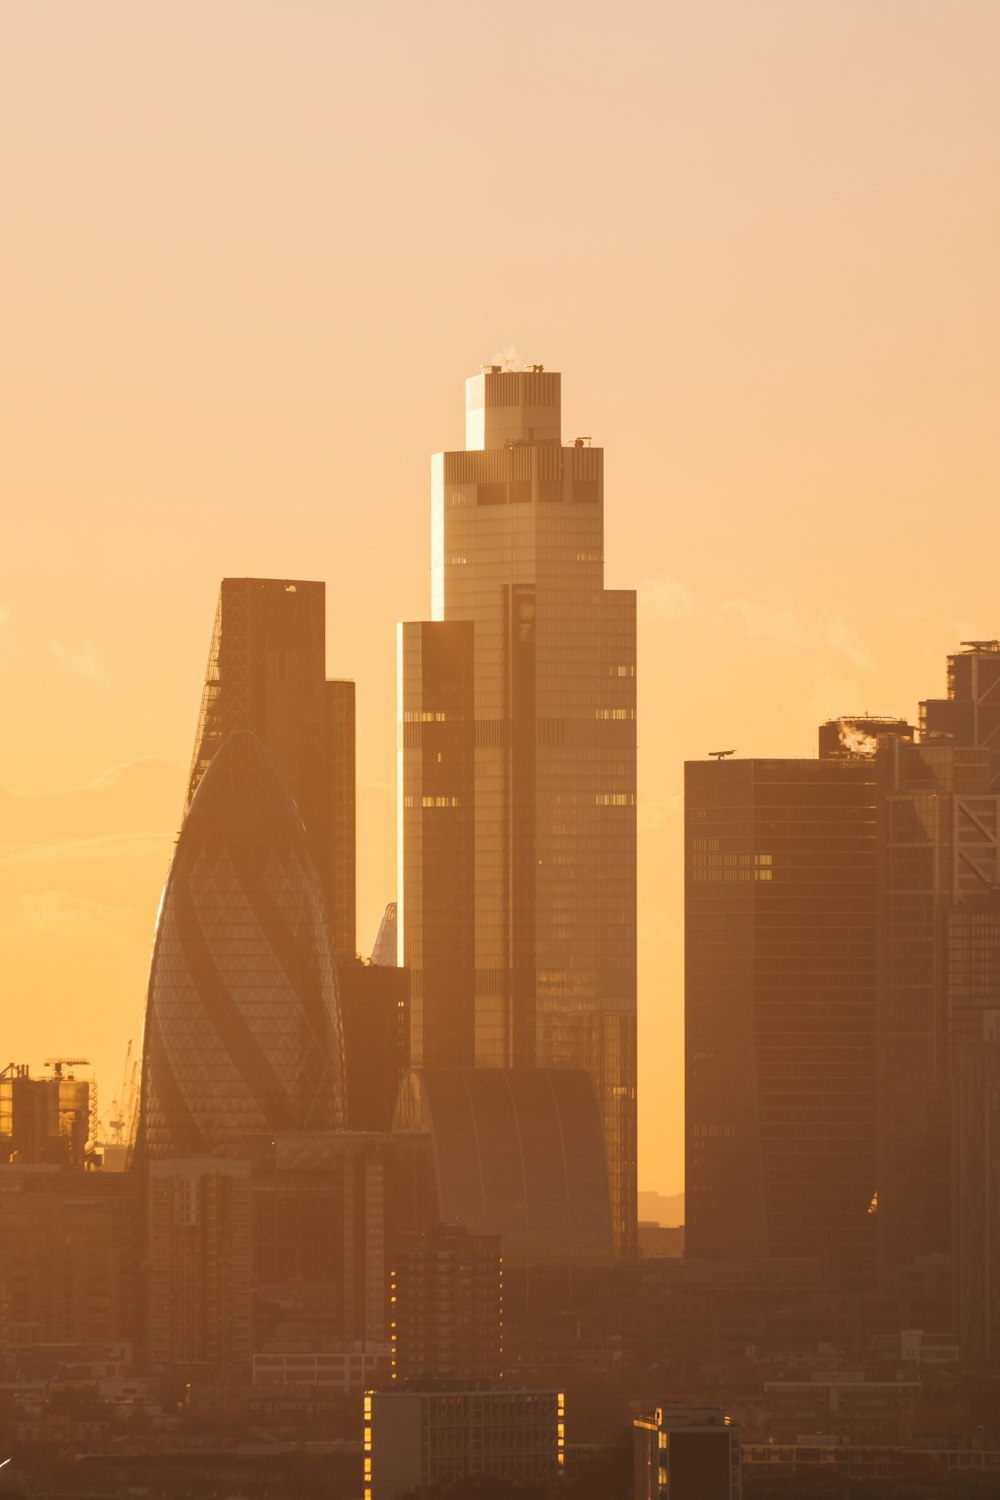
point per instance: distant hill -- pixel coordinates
(656, 1209)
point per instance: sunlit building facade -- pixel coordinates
(242, 1030)
(517, 768)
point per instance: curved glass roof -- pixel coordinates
(519, 1153)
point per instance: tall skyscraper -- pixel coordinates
(267, 673)
(939, 951)
(780, 1011)
(517, 770)
(242, 1031)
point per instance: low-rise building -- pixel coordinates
(436, 1432)
(686, 1453)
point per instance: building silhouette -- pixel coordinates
(939, 963)
(780, 1011)
(686, 1453)
(71, 1252)
(976, 1192)
(374, 1004)
(242, 1029)
(267, 673)
(447, 1304)
(517, 743)
(438, 1432)
(44, 1120)
(384, 949)
(199, 1276)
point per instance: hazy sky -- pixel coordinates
(249, 253)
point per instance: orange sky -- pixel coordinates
(250, 252)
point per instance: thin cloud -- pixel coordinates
(657, 813)
(669, 599)
(82, 661)
(64, 917)
(107, 846)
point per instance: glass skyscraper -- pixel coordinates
(939, 958)
(267, 673)
(780, 1011)
(242, 1031)
(517, 768)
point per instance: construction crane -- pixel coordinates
(720, 754)
(58, 1063)
(123, 1107)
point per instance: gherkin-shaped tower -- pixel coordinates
(242, 1029)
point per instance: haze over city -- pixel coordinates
(251, 253)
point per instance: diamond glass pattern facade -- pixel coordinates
(517, 775)
(242, 1023)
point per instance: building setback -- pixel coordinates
(780, 1008)
(517, 738)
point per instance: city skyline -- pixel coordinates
(761, 250)
(500, 791)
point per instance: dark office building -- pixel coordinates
(374, 1010)
(242, 1029)
(447, 1309)
(686, 1453)
(517, 742)
(976, 1192)
(517, 1153)
(781, 1011)
(323, 1214)
(267, 673)
(71, 1248)
(939, 957)
(199, 1268)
